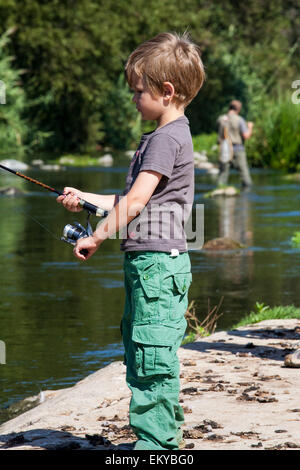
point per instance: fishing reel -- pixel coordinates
(72, 233)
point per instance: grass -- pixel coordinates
(262, 312)
(77, 160)
(295, 240)
(268, 313)
(197, 329)
(207, 143)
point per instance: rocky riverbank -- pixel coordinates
(236, 391)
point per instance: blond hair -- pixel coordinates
(168, 57)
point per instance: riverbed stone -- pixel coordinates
(228, 191)
(93, 414)
(106, 160)
(15, 165)
(10, 191)
(222, 243)
(292, 360)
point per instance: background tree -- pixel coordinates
(74, 51)
(12, 126)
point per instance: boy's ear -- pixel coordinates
(168, 90)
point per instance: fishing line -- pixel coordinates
(23, 211)
(71, 233)
(43, 226)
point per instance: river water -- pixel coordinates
(59, 318)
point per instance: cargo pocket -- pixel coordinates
(155, 350)
(150, 281)
(182, 282)
(147, 293)
(181, 285)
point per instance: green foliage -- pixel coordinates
(261, 307)
(276, 138)
(121, 122)
(74, 51)
(295, 240)
(207, 143)
(193, 335)
(12, 126)
(267, 313)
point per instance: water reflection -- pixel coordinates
(235, 219)
(235, 222)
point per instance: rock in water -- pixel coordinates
(15, 165)
(10, 191)
(220, 244)
(292, 360)
(228, 191)
(106, 160)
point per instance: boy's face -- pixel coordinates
(150, 106)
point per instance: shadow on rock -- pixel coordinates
(49, 439)
(276, 351)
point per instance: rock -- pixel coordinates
(106, 160)
(292, 360)
(93, 413)
(10, 191)
(200, 157)
(130, 153)
(67, 160)
(228, 191)
(204, 165)
(51, 167)
(37, 162)
(220, 244)
(15, 165)
(213, 171)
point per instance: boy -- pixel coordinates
(165, 73)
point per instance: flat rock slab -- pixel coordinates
(236, 391)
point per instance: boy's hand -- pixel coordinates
(70, 199)
(86, 247)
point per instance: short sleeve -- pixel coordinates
(243, 126)
(160, 154)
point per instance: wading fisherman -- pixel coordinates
(165, 74)
(235, 128)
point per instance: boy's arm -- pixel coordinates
(122, 213)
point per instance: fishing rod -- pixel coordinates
(84, 204)
(71, 233)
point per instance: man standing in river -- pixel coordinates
(237, 130)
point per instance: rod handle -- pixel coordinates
(93, 209)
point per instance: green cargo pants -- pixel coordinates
(153, 326)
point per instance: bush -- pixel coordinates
(12, 126)
(207, 143)
(121, 122)
(276, 138)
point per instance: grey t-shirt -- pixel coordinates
(160, 226)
